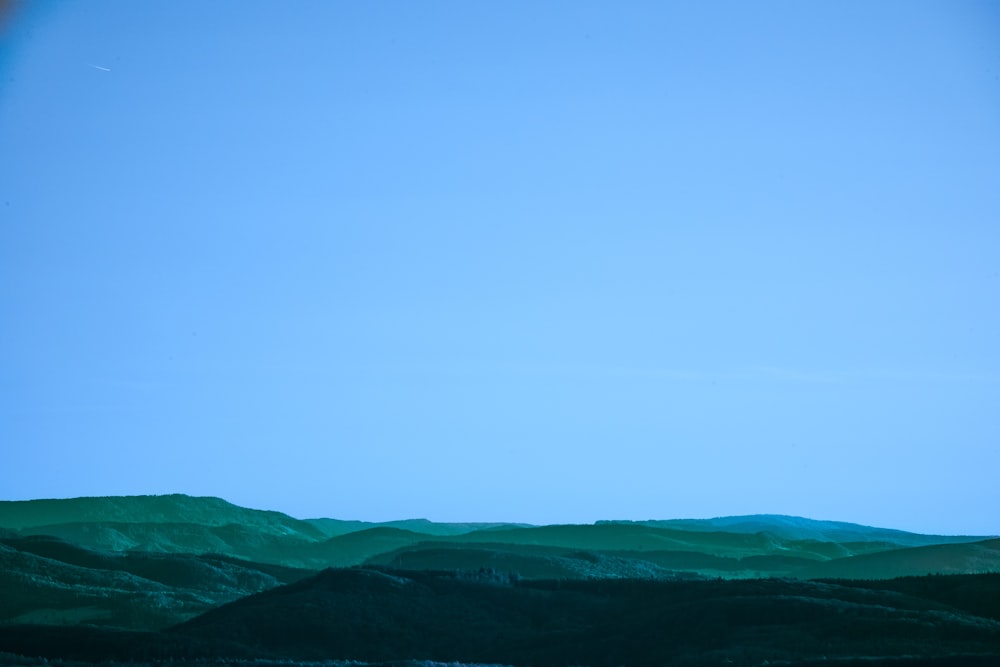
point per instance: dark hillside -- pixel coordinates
(525, 561)
(382, 615)
(977, 594)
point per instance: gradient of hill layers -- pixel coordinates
(751, 546)
(153, 578)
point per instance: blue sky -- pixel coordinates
(543, 262)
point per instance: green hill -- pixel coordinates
(759, 545)
(612, 536)
(934, 559)
(798, 528)
(167, 509)
(80, 577)
(524, 561)
(237, 540)
(355, 548)
(47, 580)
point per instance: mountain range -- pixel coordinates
(201, 577)
(745, 546)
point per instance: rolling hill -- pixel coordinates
(964, 558)
(164, 577)
(796, 528)
(378, 615)
(734, 547)
(166, 509)
(48, 580)
(522, 561)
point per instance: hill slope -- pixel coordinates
(378, 615)
(935, 559)
(375, 615)
(168, 509)
(47, 580)
(762, 545)
(799, 528)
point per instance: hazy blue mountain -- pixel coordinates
(446, 529)
(337, 527)
(627, 536)
(799, 528)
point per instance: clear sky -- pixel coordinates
(528, 261)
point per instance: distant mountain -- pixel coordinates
(799, 528)
(337, 527)
(167, 509)
(632, 536)
(747, 546)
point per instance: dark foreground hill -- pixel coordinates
(379, 615)
(371, 614)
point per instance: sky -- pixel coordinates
(549, 262)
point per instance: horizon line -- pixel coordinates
(507, 522)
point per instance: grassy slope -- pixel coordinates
(48, 580)
(167, 509)
(526, 561)
(939, 558)
(799, 528)
(638, 537)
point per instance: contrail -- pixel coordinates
(103, 69)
